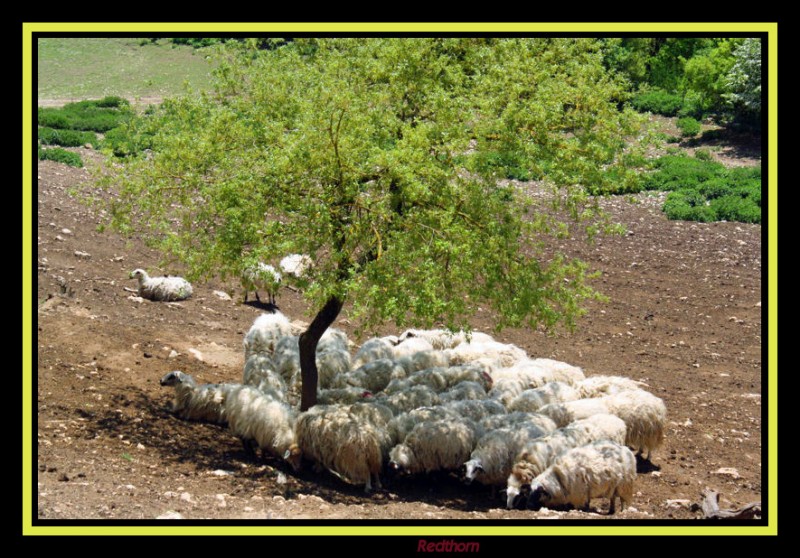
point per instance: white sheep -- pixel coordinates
(259, 372)
(265, 332)
(599, 386)
(493, 422)
(344, 396)
(374, 375)
(161, 288)
(411, 346)
(193, 401)
(349, 440)
(435, 445)
(330, 364)
(537, 372)
(261, 276)
(531, 400)
(409, 399)
(463, 391)
(375, 348)
(333, 340)
(506, 354)
(254, 415)
(477, 409)
(433, 378)
(286, 357)
(505, 390)
(539, 454)
(601, 469)
(444, 339)
(491, 461)
(403, 423)
(562, 372)
(644, 414)
(296, 265)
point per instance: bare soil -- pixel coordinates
(683, 315)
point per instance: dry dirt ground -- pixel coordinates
(684, 315)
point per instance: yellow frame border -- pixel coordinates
(29, 28)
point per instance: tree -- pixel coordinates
(744, 80)
(380, 158)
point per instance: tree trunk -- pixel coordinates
(308, 350)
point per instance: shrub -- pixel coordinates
(111, 102)
(688, 126)
(98, 116)
(67, 138)
(737, 208)
(657, 101)
(61, 156)
(703, 154)
(673, 139)
(688, 205)
(675, 172)
(125, 142)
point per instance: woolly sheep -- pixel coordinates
(562, 372)
(644, 415)
(491, 461)
(345, 396)
(403, 423)
(599, 470)
(599, 386)
(333, 340)
(538, 455)
(493, 422)
(463, 391)
(296, 265)
(411, 346)
(330, 364)
(435, 445)
(432, 377)
(531, 400)
(444, 339)
(205, 402)
(162, 288)
(286, 357)
(506, 389)
(259, 372)
(374, 376)
(253, 415)
(409, 399)
(507, 354)
(375, 348)
(265, 332)
(477, 409)
(261, 276)
(350, 441)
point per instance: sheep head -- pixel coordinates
(473, 469)
(175, 377)
(538, 498)
(294, 456)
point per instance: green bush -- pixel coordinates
(124, 142)
(657, 101)
(675, 172)
(737, 208)
(688, 205)
(673, 139)
(61, 156)
(703, 155)
(688, 126)
(67, 138)
(98, 116)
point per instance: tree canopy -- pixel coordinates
(382, 159)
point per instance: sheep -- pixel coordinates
(562, 372)
(350, 441)
(538, 455)
(333, 340)
(409, 399)
(506, 354)
(435, 445)
(505, 390)
(254, 415)
(375, 348)
(330, 364)
(161, 288)
(296, 265)
(432, 377)
(599, 386)
(531, 400)
(261, 276)
(601, 469)
(205, 402)
(537, 372)
(259, 372)
(423, 360)
(644, 415)
(477, 409)
(265, 332)
(491, 461)
(443, 339)
(374, 376)
(411, 346)
(403, 423)
(345, 396)
(286, 357)
(493, 422)
(463, 391)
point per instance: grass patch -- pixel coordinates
(67, 138)
(97, 116)
(657, 101)
(61, 156)
(79, 67)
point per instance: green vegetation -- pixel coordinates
(79, 68)
(67, 138)
(657, 101)
(688, 126)
(356, 152)
(61, 156)
(702, 190)
(98, 116)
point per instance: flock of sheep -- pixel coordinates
(434, 400)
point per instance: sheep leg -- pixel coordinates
(368, 486)
(378, 482)
(611, 508)
(258, 299)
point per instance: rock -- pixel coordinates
(63, 477)
(728, 472)
(196, 354)
(87, 145)
(170, 515)
(173, 354)
(221, 500)
(66, 231)
(59, 238)
(221, 473)
(281, 478)
(676, 504)
(186, 497)
(222, 295)
(84, 255)
(135, 298)
(140, 446)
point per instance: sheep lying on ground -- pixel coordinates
(599, 386)
(531, 400)
(410, 347)
(261, 276)
(477, 409)
(598, 470)
(435, 445)
(254, 415)
(644, 414)
(265, 332)
(259, 372)
(343, 396)
(403, 423)
(463, 391)
(333, 340)
(375, 348)
(374, 376)
(330, 364)
(349, 440)
(286, 357)
(443, 339)
(194, 401)
(506, 354)
(538, 455)
(162, 288)
(409, 399)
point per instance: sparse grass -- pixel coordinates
(79, 68)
